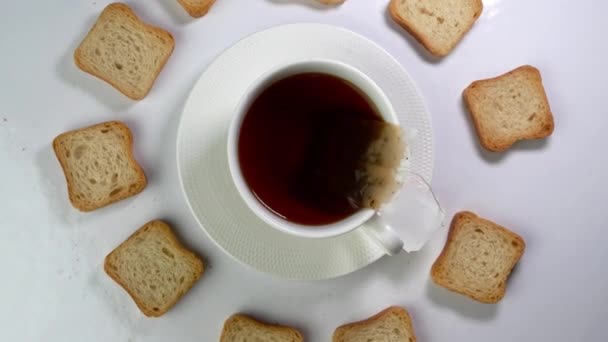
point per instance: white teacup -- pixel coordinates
(375, 223)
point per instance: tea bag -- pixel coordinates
(379, 167)
(357, 161)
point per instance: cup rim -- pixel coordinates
(253, 91)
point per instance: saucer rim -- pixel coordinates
(304, 27)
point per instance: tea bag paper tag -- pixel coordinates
(414, 213)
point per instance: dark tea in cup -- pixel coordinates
(314, 150)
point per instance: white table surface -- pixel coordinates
(553, 192)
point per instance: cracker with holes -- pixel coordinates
(154, 268)
(124, 51)
(99, 165)
(477, 258)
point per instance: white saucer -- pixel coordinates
(202, 152)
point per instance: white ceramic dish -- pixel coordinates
(344, 71)
(203, 163)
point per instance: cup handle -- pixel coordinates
(409, 220)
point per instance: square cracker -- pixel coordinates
(439, 25)
(477, 258)
(99, 165)
(124, 51)
(509, 108)
(154, 268)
